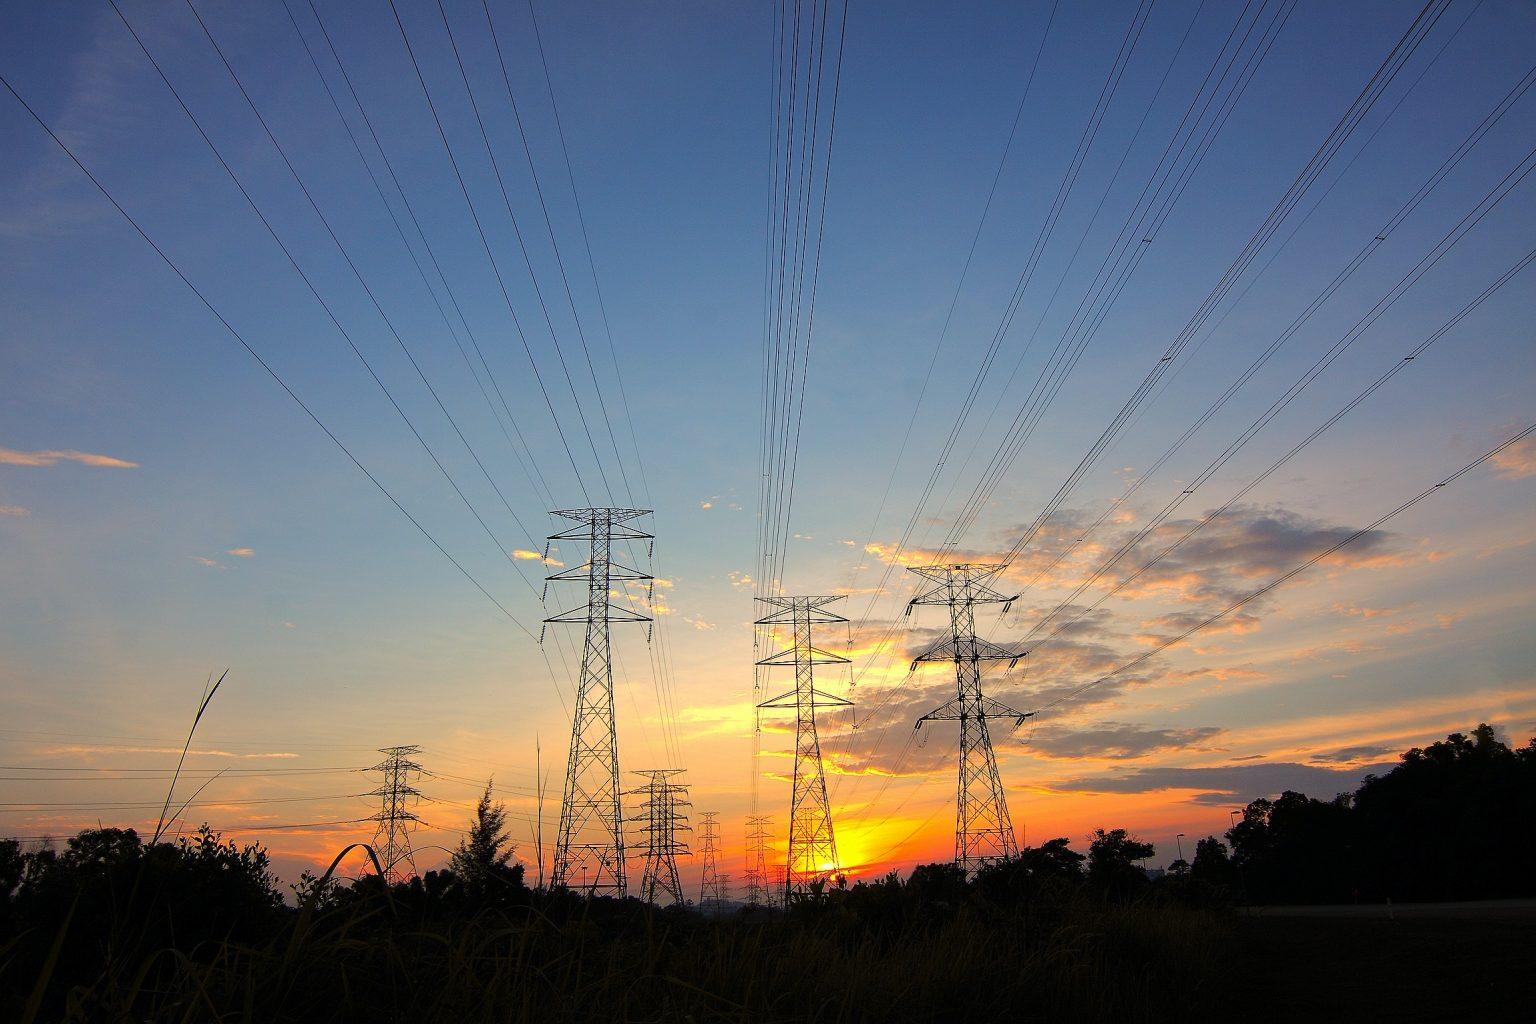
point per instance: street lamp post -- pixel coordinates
(1180, 840)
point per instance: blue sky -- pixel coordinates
(242, 537)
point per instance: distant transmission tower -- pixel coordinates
(759, 886)
(392, 840)
(983, 830)
(664, 814)
(591, 841)
(715, 888)
(812, 856)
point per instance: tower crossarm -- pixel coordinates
(968, 648)
(584, 571)
(966, 583)
(819, 699)
(609, 612)
(808, 655)
(964, 709)
(813, 610)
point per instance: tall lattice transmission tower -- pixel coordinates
(397, 795)
(714, 888)
(759, 886)
(812, 855)
(663, 814)
(983, 830)
(590, 846)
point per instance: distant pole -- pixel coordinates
(983, 830)
(812, 856)
(714, 888)
(1180, 840)
(591, 811)
(758, 885)
(664, 815)
(392, 839)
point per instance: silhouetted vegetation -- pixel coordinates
(113, 928)
(1453, 821)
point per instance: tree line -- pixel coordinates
(109, 913)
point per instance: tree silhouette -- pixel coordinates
(1112, 858)
(482, 859)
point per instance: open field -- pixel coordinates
(1425, 965)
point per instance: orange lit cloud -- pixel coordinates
(52, 457)
(1518, 460)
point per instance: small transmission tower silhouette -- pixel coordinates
(392, 840)
(812, 856)
(983, 830)
(591, 840)
(759, 888)
(714, 889)
(664, 814)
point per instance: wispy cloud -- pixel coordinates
(1116, 741)
(242, 552)
(1229, 783)
(1518, 460)
(214, 752)
(53, 456)
(207, 563)
(14, 511)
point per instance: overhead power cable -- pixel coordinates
(1281, 580)
(240, 339)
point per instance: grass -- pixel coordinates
(1083, 962)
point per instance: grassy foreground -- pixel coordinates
(1079, 962)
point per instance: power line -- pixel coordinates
(239, 338)
(1278, 581)
(502, 415)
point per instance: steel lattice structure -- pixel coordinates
(983, 829)
(812, 855)
(591, 840)
(663, 814)
(759, 889)
(714, 888)
(392, 840)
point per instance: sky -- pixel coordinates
(168, 511)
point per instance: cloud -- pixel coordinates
(1350, 755)
(242, 552)
(1518, 460)
(214, 752)
(1116, 741)
(524, 555)
(14, 511)
(706, 504)
(53, 456)
(1231, 783)
(1364, 612)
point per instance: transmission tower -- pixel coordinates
(812, 856)
(591, 840)
(392, 840)
(759, 887)
(714, 889)
(664, 814)
(983, 830)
